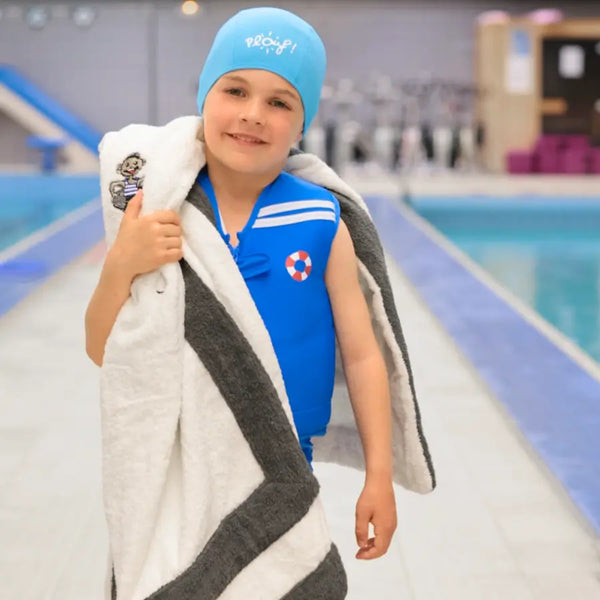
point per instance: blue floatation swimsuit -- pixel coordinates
(282, 254)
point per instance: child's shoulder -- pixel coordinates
(304, 189)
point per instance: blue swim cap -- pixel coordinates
(272, 39)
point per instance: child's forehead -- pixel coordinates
(259, 78)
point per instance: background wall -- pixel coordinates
(139, 61)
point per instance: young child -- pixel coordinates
(258, 96)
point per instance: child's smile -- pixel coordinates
(246, 140)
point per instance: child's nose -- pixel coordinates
(253, 112)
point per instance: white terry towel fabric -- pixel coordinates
(207, 493)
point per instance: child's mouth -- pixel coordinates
(247, 140)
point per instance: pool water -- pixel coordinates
(546, 251)
(29, 203)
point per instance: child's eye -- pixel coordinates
(234, 91)
(279, 104)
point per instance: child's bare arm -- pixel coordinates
(143, 244)
(364, 366)
(367, 379)
(109, 296)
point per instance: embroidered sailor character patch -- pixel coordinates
(298, 265)
(124, 189)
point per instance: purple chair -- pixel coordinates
(574, 160)
(576, 141)
(595, 160)
(519, 162)
(549, 142)
(548, 160)
(547, 150)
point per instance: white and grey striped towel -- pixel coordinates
(207, 493)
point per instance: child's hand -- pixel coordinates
(377, 505)
(146, 242)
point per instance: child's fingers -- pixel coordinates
(170, 230)
(383, 536)
(362, 527)
(166, 217)
(368, 551)
(377, 546)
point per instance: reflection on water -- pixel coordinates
(554, 267)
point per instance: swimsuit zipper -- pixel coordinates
(235, 252)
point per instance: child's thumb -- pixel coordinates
(362, 530)
(134, 206)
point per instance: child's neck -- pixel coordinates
(234, 187)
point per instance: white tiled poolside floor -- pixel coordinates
(497, 527)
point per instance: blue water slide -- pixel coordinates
(73, 126)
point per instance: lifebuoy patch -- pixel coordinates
(298, 265)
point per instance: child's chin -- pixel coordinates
(251, 167)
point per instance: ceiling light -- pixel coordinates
(83, 16)
(37, 17)
(190, 8)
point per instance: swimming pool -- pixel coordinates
(546, 251)
(29, 203)
(45, 223)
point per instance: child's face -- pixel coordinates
(259, 105)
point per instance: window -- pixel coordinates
(571, 62)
